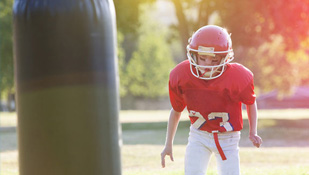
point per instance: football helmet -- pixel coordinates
(210, 40)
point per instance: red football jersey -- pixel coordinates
(212, 104)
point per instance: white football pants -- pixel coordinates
(201, 145)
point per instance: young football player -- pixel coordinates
(213, 90)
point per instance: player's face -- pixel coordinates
(207, 60)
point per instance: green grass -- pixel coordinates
(285, 150)
(145, 160)
(132, 116)
(262, 161)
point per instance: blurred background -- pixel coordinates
(271, 38)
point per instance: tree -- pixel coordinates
(272, 33)
(254, 25)
(127, 18)
(256, 21)
(121, 66)
(274, 70)
(183, 23)
(6, 50)
(127, 14)
(299, 59)
(251, 22)
(186, 23)
(149, 67)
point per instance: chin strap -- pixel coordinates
(203, 74)
(215, 133)
(211, 73)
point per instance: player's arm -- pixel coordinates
(171, 131)
(252, 117)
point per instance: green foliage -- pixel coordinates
(254, 22)
(127, 15)
(256, 26)
(270, 66)
(6, 48)
(299, 58)
(149, 67)
(274, 67)
(121, 65)
(274, 42)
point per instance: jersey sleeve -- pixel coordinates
(175, 94)
(247, 95)
(243, 77)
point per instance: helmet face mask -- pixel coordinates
(212, 41)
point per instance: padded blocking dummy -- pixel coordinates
(66, 87)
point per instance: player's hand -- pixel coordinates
(168, 150)
(256, 140)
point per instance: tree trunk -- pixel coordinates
(203, 14)
(182, 25)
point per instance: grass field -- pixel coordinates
(285, 150)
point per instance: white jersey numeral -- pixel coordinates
(225, 118)
(200, 121)
(212, 116)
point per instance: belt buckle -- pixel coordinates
(215, 131)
